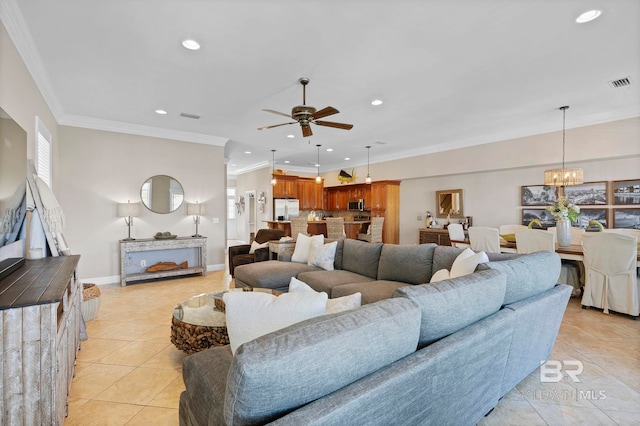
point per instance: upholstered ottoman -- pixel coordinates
(271, 274)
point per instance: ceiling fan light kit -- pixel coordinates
(305, 115)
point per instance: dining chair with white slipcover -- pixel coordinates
(610, 261)
(456, 233)
(483, 238)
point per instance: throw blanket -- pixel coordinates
(12, 212)
(52, 215)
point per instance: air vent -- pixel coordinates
(187, 115)
(381, 143)
(621, 82)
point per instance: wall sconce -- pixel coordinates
(196, 210)
(128, 211)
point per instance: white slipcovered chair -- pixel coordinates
(456, 233)
(610, 261)
(485, 239)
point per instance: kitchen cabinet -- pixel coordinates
(337, 198)
(385, 202)
(286, 186)
(310, 194)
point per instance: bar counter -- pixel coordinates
(317, 227)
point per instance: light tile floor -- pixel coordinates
(129, 373)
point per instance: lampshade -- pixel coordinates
(128, 209)
(195, 209)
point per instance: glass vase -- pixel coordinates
(563, 230)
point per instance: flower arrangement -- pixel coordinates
(563, 209)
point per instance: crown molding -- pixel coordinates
(21, 38)
(136, 129)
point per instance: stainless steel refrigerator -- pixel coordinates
(285, 209)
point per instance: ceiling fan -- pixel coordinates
(306, 114)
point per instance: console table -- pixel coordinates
(137, 255)
(40, 308)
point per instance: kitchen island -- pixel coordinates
(317, 227)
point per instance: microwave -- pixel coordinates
(356, 205)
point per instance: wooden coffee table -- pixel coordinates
(199, 322)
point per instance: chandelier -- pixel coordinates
(563, 176)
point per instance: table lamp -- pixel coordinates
(128, 211)
(196, 210)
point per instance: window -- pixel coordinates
(231, 203)
(43, 152)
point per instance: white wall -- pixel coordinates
(99, 169)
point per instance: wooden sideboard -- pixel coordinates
(438, 236)
(41, 317)
(151, 250)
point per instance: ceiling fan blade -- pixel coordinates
(277, 112)
(336, 125)
(306, 131)
(324, 112)
(276, 125)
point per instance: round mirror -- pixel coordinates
(161, 194)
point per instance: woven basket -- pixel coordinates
(90, 301)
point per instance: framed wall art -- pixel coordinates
(545, 217)
(626, 191)
(538, 195)
(587, 194)
(589, 214)
(626, 218)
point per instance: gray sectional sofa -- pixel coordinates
(440, 354)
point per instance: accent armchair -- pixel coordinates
(239, 255)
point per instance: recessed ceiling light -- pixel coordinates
(247, 152)
(329, 149)
(233, 165)
(376, 102)
(161, 111)
(291, 136)
(191, 44)
(588, 16)
(286, 161)
(347, 158)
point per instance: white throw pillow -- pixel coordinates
(255, 246)
(467, 262)
(323, 256)
(303, 246)
(253, 314)
(442, 274)
(338, 304)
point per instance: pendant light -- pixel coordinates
(368, 178)
(318, 178)
(563, 176)
(273, 167)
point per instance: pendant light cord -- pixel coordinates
(564, 115)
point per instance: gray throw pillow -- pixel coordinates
(450, 305)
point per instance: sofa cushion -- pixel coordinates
(450, 305)
(205, 379)
(251, 314)
(444, 256)
(327, 280)
(271, 274)
(371, 291)
(527, 275)
(419, 257)
(361, 257)
(328, 353)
